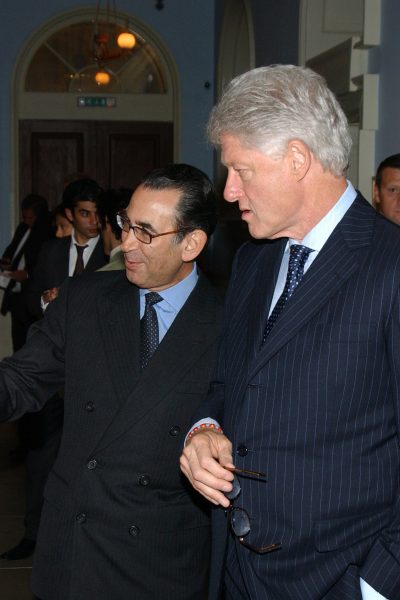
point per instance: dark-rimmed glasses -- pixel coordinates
(140, 233)
(239, 519)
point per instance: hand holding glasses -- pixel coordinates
(239, 519)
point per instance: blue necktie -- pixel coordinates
(149, 337)
(297, 260)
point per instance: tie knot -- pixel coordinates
(299, 253)
(152, 298)
(80, 249)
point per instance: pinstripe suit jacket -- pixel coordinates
(317, 408)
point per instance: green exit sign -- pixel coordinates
(96, 101)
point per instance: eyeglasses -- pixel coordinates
(239, 519)
(140, 233)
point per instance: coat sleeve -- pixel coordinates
(37, 283)
(213, 406)
(36, 372)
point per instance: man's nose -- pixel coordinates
(129, 241)
(233, 188)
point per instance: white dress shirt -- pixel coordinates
(87, 253)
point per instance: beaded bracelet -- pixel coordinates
(204, 426)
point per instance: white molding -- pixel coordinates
(366, 162)
(372, 22)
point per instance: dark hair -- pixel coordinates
(197, 205)
(37, 204)
(392, 162)
(59, 210)
(80, 189)
(108, 204)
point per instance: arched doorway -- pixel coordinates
(65, 123)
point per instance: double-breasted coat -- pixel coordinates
(119, 520)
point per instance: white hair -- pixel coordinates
(268, 107)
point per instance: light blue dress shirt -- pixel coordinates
(315, 239)
(173, 299)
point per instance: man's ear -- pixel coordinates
(69, 214)
(375, 195)
(300, 159)
(192, 244)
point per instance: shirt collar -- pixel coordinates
(91, 241)
(175, 296)
(316, 238)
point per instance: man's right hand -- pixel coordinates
(203, 460)
(50, 295)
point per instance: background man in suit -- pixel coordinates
(387, 188)
(70, 255)
(119, 519)
(307, 389)
(18, 262)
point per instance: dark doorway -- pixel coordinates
(114, 153)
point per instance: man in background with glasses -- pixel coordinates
(134, 351)
(307, 389)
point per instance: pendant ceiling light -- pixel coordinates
(104, 47)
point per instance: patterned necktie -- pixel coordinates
(79, 265)
(297, 260)
(149, 338)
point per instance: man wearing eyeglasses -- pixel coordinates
(134, 351)
(307, 388)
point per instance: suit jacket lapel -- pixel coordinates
(118, 312)
(62, 270)
(336, 263)
(140, 393)
(265, 276)
(97, 258)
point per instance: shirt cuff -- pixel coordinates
(207, 422)
(368, 592)
(43, 304)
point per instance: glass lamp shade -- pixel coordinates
(126, 40)
(102, 78)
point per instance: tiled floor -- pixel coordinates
(14, 575)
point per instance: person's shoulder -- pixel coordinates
(100, 280)
(57, 243)
(208, 287)
(253, 249)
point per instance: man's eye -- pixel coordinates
(244, 174)
(84, 213)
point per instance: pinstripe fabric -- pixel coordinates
(318, 410)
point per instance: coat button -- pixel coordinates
(241, 450)
(144, 480)
(175, 430)
(81, 518)
(90, 406)
(134, 531)
(92, 464)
